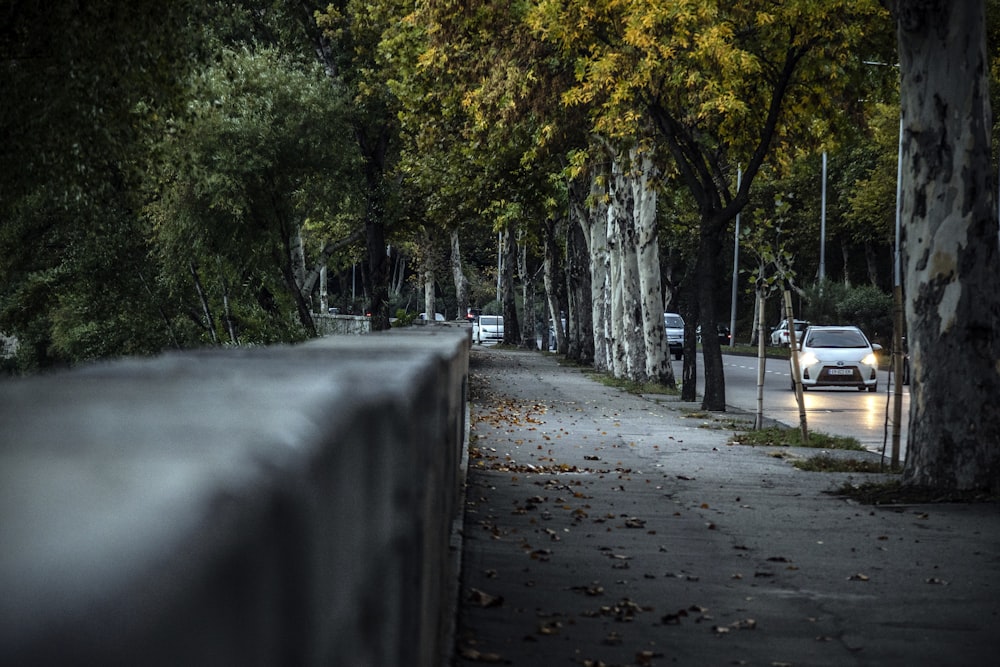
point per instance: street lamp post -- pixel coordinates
(822, 228)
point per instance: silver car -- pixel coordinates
(674, 324)
(838, 357)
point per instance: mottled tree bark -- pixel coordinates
(458, 275)
(950, 246)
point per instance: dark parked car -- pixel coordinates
(722, 331)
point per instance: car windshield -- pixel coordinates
(673, 321)
(489, 321)
(844, 338)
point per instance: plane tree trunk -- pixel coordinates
(950, 246)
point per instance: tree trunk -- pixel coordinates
(298, 259)
(458, 275)
(527, 293)
(549, 279)
(594, 228)
(871, 260)
(579, 311)
(378, 266)
(950, 246)
(430, 308)
(309, 282)
(689, 367)
(511, 328)
(658, 368)
(709, 250)
(845, 256)
(626, 311)
(203, 298)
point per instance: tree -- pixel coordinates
(348, 47)
(479, 94)
(950, 246)
(262, 146)
(722, 84)
(84, 88)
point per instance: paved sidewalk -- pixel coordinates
(603, 528)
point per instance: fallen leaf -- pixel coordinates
(475, 656)
(645, 658)
(551, 628)
(593, 590)
(674, 619)
(484, 599)
(858, 577)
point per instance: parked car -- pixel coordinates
(779, 334)
(674, 324)
(837, 357)
(487, 329)
(721, 331)
(438, 317)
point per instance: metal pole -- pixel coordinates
(897, 298)
(822, 229)
(499, 263)
(736, 267)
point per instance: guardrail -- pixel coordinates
(272, 506)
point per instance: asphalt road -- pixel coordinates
(848, 412)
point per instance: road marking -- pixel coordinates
(754, 368)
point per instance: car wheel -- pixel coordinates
(678, 356)
(873, 388)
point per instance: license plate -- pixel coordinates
(841, 371)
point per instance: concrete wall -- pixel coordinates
(274, 506)
(341, 325)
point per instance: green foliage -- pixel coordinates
(144, 152)
(81, 85)
(404, 318)
(864, 306)
(262, 146)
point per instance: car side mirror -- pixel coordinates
(876, 347)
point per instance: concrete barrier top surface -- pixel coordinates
(105, 468)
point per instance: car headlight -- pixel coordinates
(808, 359)
(870, 360)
